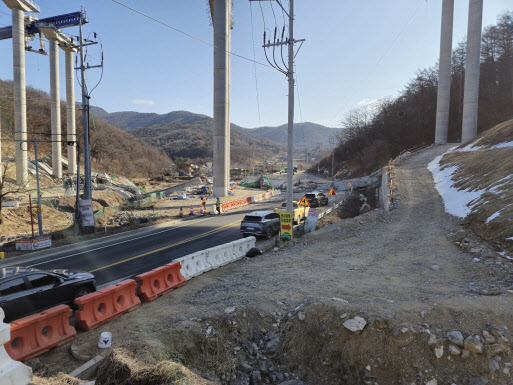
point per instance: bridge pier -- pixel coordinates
(222, 31)
(18, 9)
(70, 110)
(55, 97)
(472, 71)
(20, 96)
(444, 73)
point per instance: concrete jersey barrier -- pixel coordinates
(11, 372)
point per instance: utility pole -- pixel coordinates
(39, 215)
(332, 143)
(290, 144)
(88, 195)
(290, 74)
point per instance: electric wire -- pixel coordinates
(254, 57)
(185, 33)
(389, 47)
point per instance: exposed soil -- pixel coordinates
(281, 316)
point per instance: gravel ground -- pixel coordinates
(403, 265)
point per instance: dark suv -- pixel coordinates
(317, 199)
(24, 291)
(260, 224)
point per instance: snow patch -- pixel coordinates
(457, 202)
(493, 216)
(503, 145)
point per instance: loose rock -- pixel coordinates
(356, 324)
(474, 344)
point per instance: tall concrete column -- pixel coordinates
(20, 96)
(55, 97)
(472, 71)
(222, 29)
(444, 73)
(70, 111)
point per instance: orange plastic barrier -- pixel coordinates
(108, 303)
(160, 281)
(38, 333)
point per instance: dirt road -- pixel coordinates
(396, 269)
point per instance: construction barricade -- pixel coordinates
(38, 333)
(11, 372)
(194, 264)
(159, 281)
(242, 246)
(108, 303)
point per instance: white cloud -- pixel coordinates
(138, 101)
(366, 102)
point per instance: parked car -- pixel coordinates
(24, 291)
(300, 213)
(260, 224)
(317, 199)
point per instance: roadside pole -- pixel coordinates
(290, 143)
(85, 122)
(39, 216)
(78, 190)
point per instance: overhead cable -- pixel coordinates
(185, 33)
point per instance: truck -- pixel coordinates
(300, 213)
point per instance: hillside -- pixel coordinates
(112, 149)
(131, 119)
(375, 134)
(185, 135)
(195, 140)
(305, 134)
(476, 182)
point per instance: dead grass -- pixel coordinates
(59, 379)
(490, 170)
(499, 134)
(121, 368)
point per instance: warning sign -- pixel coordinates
(332, 192)
(304, 202)
(286, 226)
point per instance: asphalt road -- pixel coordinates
(117, 259)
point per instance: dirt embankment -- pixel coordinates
(376, 299)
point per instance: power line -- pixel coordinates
(185, 33)
(254, 57)
(389, 47)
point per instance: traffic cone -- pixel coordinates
(181, 212)
(201, 210)
(192, 211)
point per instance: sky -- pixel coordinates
(356, 51)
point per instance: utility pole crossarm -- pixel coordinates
(280, 43)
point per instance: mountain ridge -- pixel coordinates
(304, 133)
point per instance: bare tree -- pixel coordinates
(8, 186)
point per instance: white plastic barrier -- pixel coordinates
(194, 264)
(203, 261)
(242, 246)
(11, 372)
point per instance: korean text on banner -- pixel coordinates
(86, 212)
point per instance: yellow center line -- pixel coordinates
(227, 226)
